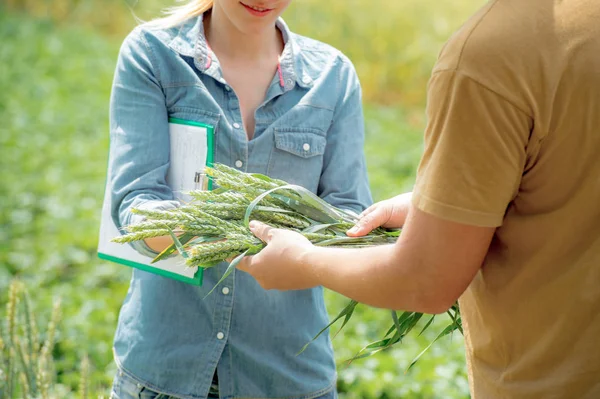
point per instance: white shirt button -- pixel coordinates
(306, 80)
(237, 125)
(220, 335)
(225, 290)
(239, 164)
(306, 147)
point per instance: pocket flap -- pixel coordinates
(303, 142)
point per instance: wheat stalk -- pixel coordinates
(84, 377)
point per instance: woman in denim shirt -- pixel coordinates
(282, 105)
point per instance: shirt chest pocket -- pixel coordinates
(298, 156)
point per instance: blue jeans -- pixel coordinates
(125, 387)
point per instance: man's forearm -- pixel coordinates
(379, 276)
(426, 270)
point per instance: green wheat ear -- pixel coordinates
(11, 310)
(84, 377)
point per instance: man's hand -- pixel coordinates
(281, 264)
(390, 213)
(426, 270)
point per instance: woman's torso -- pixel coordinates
(169, 336)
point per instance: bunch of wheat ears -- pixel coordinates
(213, 227)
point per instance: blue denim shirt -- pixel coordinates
(309, 131)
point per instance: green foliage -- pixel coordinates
(53, 152)
(392, 43)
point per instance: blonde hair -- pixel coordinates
(177, 15)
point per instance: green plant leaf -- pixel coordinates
(406, 323)
(183, 239)
(411, 322)
(456, 320)
(390, 330)
(323, 212)
(263, 177)
(178, 244)
(395, 320)
(232, 266)
(318, 211)
(427, 324)
(449, 329)
(376, 347)
(272, 209)
(318, 227)
(346, 313)
(365, 240)
(204, 239)
(392, 233)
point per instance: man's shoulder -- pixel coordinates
(499, 46)
(501, 31)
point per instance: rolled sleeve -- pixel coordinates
(134, 218)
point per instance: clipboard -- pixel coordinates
(191, 149)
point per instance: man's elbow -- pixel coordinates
(429, 302)
(437, 306)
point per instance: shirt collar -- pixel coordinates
(191, 41)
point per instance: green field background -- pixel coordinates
(56, 64)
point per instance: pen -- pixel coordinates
(198, 181)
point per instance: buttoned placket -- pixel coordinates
(284, 80)
(207, 64)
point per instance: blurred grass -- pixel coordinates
(55, 77)
(53, 144)
(393, 43)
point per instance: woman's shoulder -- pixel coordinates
(148, 35)
(318, 50)
(320, 56)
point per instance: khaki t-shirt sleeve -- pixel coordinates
(475, 152)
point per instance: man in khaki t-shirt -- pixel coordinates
(507, 203)
(514, 143)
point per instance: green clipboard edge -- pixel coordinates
(198, 277)
(196, 280)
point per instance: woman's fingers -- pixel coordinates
(369, 210)
(378, 216)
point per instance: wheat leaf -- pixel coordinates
(427, 324)
(178, 244)
(445, 332)
(346, 313)
(183, 239)
(232, 266)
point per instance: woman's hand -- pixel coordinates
(390, 213)
(159, 244)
